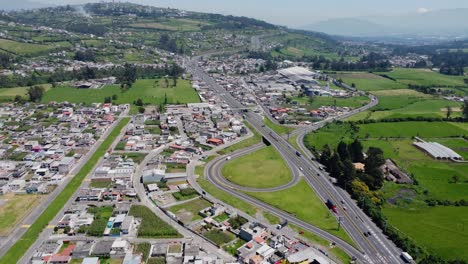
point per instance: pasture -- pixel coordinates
(247, 171)
(151, 91)
(21, 48)
(368, 81)
(424, 77)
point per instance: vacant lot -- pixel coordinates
(13, 208)
(188, 212)
(272, 171)
(151, 91)
(151, 225)
(369, 81)
(301, 201)
(219, 237)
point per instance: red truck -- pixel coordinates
(331, 206)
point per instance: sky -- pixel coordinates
(297, 12)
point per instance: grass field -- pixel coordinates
(280, 129)
(151, 91)
(247, 171)
(188, 212)
(21, 48)
(424, 77)
(227, 198)
(28, 238)
(442, 229)
(368, 81)
(10, 93)
(13, 208)
(219, 237)
(301, 201)
(318, 101)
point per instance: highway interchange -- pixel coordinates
(374, 249)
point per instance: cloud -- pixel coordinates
(422, 10)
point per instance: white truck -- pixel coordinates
(407, 257)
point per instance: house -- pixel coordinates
(249, 231)
(102, 248)
(215, 141)
(65, 165)
(16, 185)
(126, 224)
(119, 247)
(59, 259)
(152, 176)
(132, 259)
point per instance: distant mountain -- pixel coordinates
(9, 5)
(442, 23)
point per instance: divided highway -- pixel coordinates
(373, 249)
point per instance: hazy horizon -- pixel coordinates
(293, 13)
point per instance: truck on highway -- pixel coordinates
(228, 158)
(298, 154)
(406, 257)
(332, 206)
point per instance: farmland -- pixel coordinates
(23, 48)
(151, 225)
(151, 91)
(10, 93)
(368, 81)
(247, 171)
(301, 201)
(28, 238)
(172, 25)
(423, 77)
(406, 203)
(353, 102)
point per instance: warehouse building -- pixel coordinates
(438, 151)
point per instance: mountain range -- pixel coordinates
(450, 23)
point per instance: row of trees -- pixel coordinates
(126, 74)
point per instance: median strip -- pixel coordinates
(14, 254)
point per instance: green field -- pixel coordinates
(151, 91)
(280, 129)
(442, 229)
(318, 101)
(10, 93)
(435, 178)
(255, 139)
(301, 201)
(172, 25)
(368, 81)
(21, 246)
(188, 212)
(151, 225)
(247, 171)
(21, 48)
(219, 237)
(424, 77)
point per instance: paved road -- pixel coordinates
(187, 233)
(375, 249)
(14, 236)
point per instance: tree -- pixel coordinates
(139, 102)
(336, 166)
(174, 81)
(141, 110)
(449, 111)
(455, 178)
(107, 100)
(343, 150)
(35, 93)
(128, 76)
(165, 98)
(465, 109)
(166, 82)
(325, 156)
(114, 97)
(355, 151)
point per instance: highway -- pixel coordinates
(374, 249)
